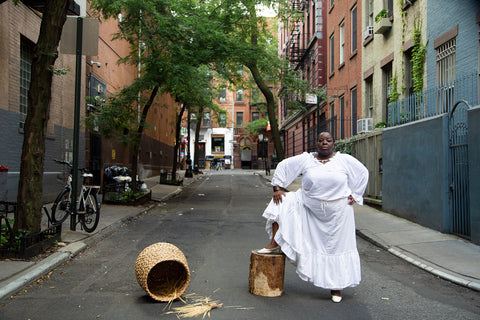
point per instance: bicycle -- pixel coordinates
(88, 206)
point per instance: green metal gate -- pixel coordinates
(459, 190)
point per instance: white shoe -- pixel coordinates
(336, 299)
(277, 249)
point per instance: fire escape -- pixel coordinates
(294, 48)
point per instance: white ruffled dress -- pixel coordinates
(316, 223)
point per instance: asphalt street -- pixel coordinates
(216, 222)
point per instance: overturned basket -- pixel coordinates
(162, 271)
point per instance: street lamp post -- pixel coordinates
(188, 171)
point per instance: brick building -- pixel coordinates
(19, 28)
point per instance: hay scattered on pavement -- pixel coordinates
(199, 306)
(196, 306)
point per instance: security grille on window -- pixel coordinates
(26, 55)
(445, 56)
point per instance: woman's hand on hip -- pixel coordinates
(277, 196)
(351, 201)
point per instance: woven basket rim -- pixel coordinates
(151, 258)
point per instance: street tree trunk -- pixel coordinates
(178, 128)
(198, 126)
(30, 185)
(262, 85)
(138, 137)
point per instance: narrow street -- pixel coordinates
(216, 222)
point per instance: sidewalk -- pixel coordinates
(446, 256)
(16, 274)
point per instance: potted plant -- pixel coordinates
(382, 22)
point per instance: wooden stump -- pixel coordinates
(267, 272)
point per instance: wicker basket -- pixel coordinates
(162, 271)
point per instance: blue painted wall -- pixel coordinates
(442, 15)
(415, 172)
(474, 171)
(55, 148)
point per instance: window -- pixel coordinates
(97, 91)
(370, 12)
(390, 7)
(255, 95)
(342, 117)
(333, 119)
(353, 97)
(387, 86)
(222, 121)
(239, 119)
(332, 54)
(408, 71)
(332, 3)
(239, 96)
(369, 96)
(26, 55)
(206, 119)
(445, 57)
(218, 144)
(342, 43)
(222, 94)
(255, 115)
(354, 29)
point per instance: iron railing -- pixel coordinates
(434, 101)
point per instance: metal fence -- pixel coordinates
(434, 101)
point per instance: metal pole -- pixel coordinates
(76, 122)
(188, 171)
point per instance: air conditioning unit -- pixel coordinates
(368, 32)
(364, 125)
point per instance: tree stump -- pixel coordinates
(267, 272)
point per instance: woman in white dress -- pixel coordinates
(315, 226)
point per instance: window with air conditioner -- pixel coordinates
(368, 32)
(364, 125)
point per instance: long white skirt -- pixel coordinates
(321, 243)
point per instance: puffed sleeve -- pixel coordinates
(289, 169)
(357, 177)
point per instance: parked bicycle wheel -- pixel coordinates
(91, 217)
(61, 207)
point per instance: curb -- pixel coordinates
(439, 273)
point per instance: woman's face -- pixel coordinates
(325, 144)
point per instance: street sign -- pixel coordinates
(89, 37)
(311, 98)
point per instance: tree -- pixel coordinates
(177, 42)
(29, 198)
(253, 45)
